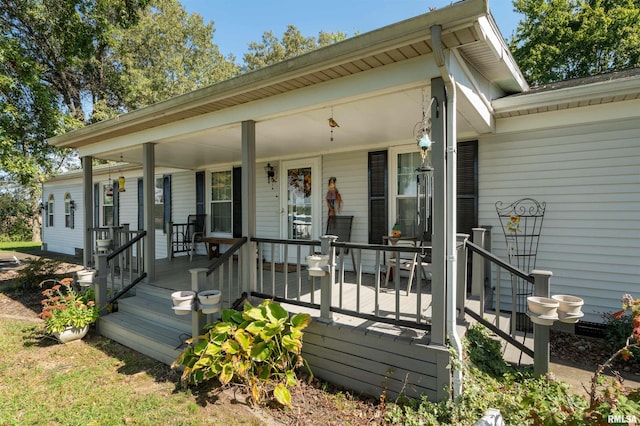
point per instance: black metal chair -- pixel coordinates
(185, 236)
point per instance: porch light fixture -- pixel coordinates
(43, 206)
(271, 173)
(121, 180)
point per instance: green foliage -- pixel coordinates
(563, 39)
(259, 348)
(272, 50)
(15, 217)
(490, 382)
(64, 307)
(35, 271)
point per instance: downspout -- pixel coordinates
(450, 215)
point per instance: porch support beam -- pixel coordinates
(148, 194)
(438, 258)
(87, 209)
(248, 251)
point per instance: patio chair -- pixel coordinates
(340, 226)
(407, 262)
(187, 235)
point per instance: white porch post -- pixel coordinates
(248, 251)
(148, 194)
(87, 208)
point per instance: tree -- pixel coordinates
(167, 53)
(564, 39)
(272, 50)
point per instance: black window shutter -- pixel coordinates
(140, 205)
(166, 190)
(378, 192)
(200, 209)
(237, 202)
(116, 203)
(96, 205)
(467, 187)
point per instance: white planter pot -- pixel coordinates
(568, 305)
(209, 301)
(183, 302)
(85, 277)
(103, 244)
(71, 334)
(542, 310)
(316, 263)
(542, 306)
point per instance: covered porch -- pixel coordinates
(440, 69)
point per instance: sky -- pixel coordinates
(239, 22)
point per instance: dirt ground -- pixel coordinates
(315, 403)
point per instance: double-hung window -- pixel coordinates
(221, 202)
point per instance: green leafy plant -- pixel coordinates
(64, 307)
(259, 347)
(611, 397)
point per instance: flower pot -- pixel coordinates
(209, 301)
(542, 306)
(183, 302)
(316, 263)
(71, 334)
(85, 277)
(568, 305)
(542, 310)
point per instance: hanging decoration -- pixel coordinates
(332, 123)
(121, 180)
(422, 131)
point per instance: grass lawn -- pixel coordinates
(21, 246)
(96, 382)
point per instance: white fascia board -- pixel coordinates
(471, 102)
(489, 30)
(528, 101)
(574, 116)
(416, 72)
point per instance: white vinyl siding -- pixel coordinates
(589, 176)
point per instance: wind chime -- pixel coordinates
(332, 123)
(424, 175)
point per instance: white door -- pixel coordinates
(301, 195)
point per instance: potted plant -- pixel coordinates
(395, 231)
(67, 314)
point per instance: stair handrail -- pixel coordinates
(126, 246)
(226, 255)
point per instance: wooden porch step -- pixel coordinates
(147, 337)
(146, 323)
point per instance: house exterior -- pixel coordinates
(575, 146)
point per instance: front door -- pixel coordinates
(301, 197)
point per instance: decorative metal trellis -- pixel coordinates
(521, 223)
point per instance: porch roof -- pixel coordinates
(371, 84)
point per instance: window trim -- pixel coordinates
(50, 210)
(393, 179)
(210, 201)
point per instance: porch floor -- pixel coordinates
(174, 275)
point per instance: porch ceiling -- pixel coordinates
(381, 116)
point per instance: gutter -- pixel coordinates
(450, 237)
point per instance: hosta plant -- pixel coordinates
(259, 347)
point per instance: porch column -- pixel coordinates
(87, 208)
(148, 195)
(438, 258)
(248, 251)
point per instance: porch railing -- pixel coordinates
(121, 267)
(541, 287)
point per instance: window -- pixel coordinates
(50, 205)
(107, 204)
(158, 209)
(406, 190)
(221, 201)
(68, 211)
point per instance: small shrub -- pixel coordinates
(259, 348)
(35, 271)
